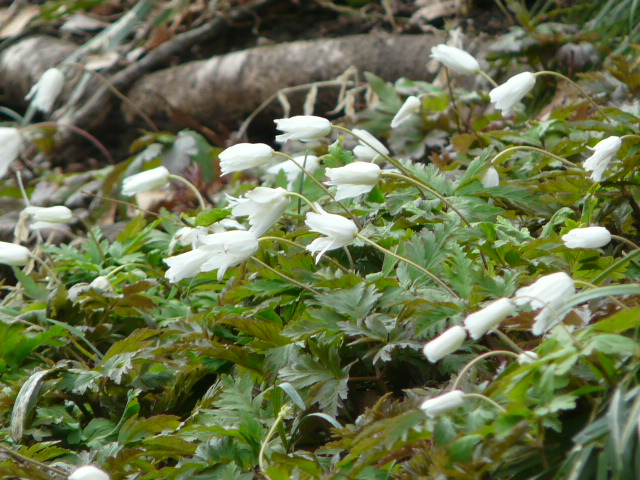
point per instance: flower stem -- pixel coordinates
(323, 187)
(469, 365)
(286, 277)
(191, 187)
(284, 411)
(577, 87)
(302, 197)
(626, 240)
(486, 399)
(534, 149)
(410, 262)
(630, 135)
(505, 338)
(433, 192)
(615, 266)
(486, 75)
(301, 247)
(389, 159)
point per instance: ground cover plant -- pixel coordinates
(437, 280)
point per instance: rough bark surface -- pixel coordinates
(225, 89)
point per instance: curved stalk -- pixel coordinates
(612, 268)
(286, 277)
(284, 411)
(534, 149)
(470, 364)
(410, 262)
(301, 247)
(577, 87)
(191, 187)
(488, 77)
(486, 399)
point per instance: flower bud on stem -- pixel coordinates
(284, 411)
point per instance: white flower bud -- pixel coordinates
(11, 145)
(353, 179)
(88, 472)
(13, 254)
(443, 403)
(527, 357)
(302, 127)
(456, 59)
(448, 342)
(145, 181)
(410, 106)
(339, 231)
(588, 237)
(244, 155)
(491, 178)
(603, 153)
(507, 95)
(365, 152)
(45, 92)
(482, 321)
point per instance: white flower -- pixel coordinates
(527, 357)
(219, 251)
(353, 179)
(100, 284)
(339, 231)
(292, 170)
(243, 156)
(264, 206)
(302, 127)
(88, 472)
(410, 106)
(444, 344)
(46, 217)
(11, 145)
(45, 92)
(443, 403)
(365, 152)
(480, 322)
(187, 236)
(13, 254)
(456, 59)
(588, 237)
(603, 153)
(549, 294)
(145, 181)
(491, 178)
(507, 95)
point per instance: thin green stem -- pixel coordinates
(626, 240)
(488, 77)
(612, 268)
(323, 187)
(534, 149)
(479, 358)
(284, 411)
(48, 269)
(305, 199)
(577, 87)
(410, 262)
(505, 338)
(420, 184)
(389, 159)
(454, 107)
(21, 458)
(630, 135)
(301, 247)
(610, 297)
(122, 267)
(486, 399)
(191, 187)
(286, 277)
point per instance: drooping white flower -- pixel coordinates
(491, 178)
(14, 254)
(365, 152)
(47, 217)
(219, 251)
(187, 236)
(11, 145)
(264, 206)
(603, 153)
(480, 322)
(146, 181)
(443, 403)
(527, 357)
(45, 92)
(244, 155)
(292, 170)
(302, 127)
(507, 95)
(549, 294)
(455, 58)
(588, 237)
(444, 344)
(88, 472)
(339, 231)
(410, 106)
(353, 179)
